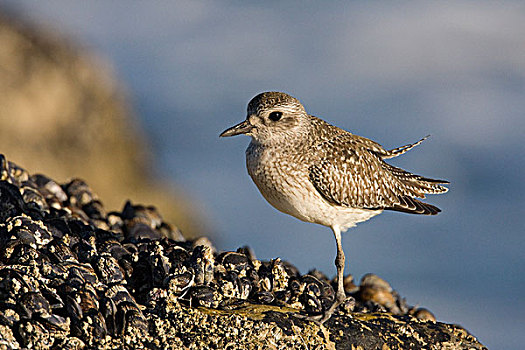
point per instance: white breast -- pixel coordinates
(288, 188)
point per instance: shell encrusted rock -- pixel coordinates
(74, 276)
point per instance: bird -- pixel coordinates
(319, 173)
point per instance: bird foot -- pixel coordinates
(321, 319)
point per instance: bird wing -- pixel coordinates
(348, 173)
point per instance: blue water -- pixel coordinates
(393, 73)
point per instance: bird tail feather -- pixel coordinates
(395, 152)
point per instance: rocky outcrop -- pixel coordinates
(75, 276)
(63, 113)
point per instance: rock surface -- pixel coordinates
(73, 276)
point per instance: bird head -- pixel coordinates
(272, 117)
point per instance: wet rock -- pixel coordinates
(377, 291)
(424, 315)
(74, 276)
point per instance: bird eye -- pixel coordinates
(275, 116)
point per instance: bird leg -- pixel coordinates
(340, 295)
(340, 265)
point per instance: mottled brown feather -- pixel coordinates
(351, 173)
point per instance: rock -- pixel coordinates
(73, 275)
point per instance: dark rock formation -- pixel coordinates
(61, 110)
(75, 276)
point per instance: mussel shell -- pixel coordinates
(31, 304)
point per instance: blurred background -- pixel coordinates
(170, 76)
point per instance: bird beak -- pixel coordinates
(241, 128)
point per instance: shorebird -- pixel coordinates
(319, 173)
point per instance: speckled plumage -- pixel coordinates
(320, 173)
